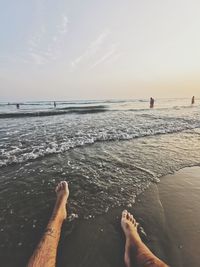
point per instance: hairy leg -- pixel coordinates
(45, 253)
(136, 252)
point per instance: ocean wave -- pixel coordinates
(43, 103)
(85, 108)
(54, 112)
(28, 139)
(39, 109)
(79, 102)
(19, 155)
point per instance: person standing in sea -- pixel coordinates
(136, 252)
(152, 102)
(192, 102)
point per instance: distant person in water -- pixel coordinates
(54, 103)
(152, 102)
(136, 252)
(192, 102)
(17, 106)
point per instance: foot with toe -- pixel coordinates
(62, 192)
(130, 228)
(134, 245)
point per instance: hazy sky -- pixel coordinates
(75, 49)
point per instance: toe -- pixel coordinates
(124, 214)
(131, 218)
(65, 184)
(58, 187)
(62, 185)
(128, 216)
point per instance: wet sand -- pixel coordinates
(169, 212)
(180, 198)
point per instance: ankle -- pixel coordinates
(133, 242)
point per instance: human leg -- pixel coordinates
(45, 253)
(136, 252)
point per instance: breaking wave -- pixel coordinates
(53, 112)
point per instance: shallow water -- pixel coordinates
(107, 157)
(32, 135)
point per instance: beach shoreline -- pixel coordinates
(167, 211)
(170, 221)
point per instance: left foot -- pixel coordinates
(62, 192)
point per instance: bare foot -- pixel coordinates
(134, 245)
(133, 241)
(62, 192)
(129, 226)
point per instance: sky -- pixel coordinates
(108, 49)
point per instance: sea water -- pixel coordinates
(109, 151)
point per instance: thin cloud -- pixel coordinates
(114, 57)
(36, 39)
(38, 59)
(93, 48)
(107, 56)
(41, 53)
(63, 28)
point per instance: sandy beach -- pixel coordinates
(169, 214)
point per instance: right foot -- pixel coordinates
(143, 256)
(130, 226)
